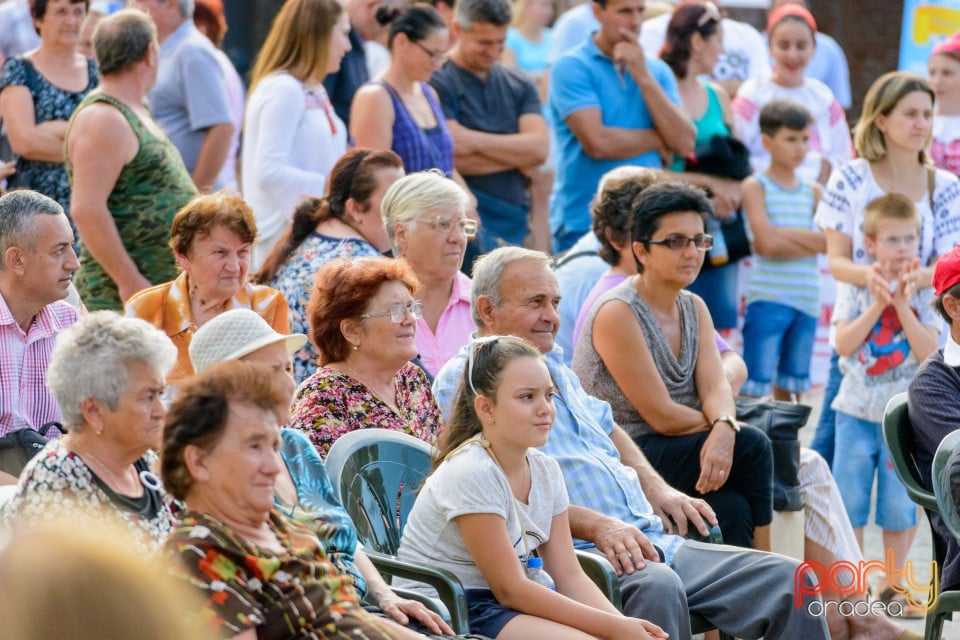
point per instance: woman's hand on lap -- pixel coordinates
(402, 610)
(716, 459)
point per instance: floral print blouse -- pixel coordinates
(57, 482)
(295, 281)
(297, 593)
(331, 403)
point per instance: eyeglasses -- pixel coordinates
(677, 241)
(436, 56)
(466, 226)
(893, 242)
(710, 13)
(398, 312)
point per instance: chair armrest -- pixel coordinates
(447, 585)
(601, 572)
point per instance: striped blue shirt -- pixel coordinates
(580, 442)
(792, 282)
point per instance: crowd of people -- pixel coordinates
(518, 239)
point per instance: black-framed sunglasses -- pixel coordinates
(398, 312)
(678, 241)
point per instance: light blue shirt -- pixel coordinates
(576, 278)
(585, 78)
(571, 30)
(190, 95)
(580, 442)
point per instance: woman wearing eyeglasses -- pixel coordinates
(426, 219)
(648, 349)
(363, 319)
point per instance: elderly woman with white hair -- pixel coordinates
(107, 376)
(425, 215)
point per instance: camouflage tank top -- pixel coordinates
(150, 189)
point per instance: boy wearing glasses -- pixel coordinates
(881, 336)
(783, 288)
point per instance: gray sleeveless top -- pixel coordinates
(676, 373)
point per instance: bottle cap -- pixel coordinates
(534, 563)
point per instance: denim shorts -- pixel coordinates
(487, 616)
(861, 453)
(777, 338)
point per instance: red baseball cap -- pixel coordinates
(947, 272)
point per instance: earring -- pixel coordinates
(356, 347)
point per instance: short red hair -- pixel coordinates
(342, 289)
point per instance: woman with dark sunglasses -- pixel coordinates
(648, 349)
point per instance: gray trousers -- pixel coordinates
(742, 592)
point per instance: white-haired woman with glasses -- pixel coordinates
(648, 348)
(426, 219)
(363, 319)
(107, 375)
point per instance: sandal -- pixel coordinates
(888, 596)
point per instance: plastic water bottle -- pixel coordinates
(536, 573)
(718, 254)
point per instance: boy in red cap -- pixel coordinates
(934, 404)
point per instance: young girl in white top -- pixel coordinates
(493, 502)
(943, 69)
(791, 30)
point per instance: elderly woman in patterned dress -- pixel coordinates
(106, 374)
(363, 321)
(258, 573)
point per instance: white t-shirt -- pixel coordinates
(829, 133)
(945, 145)
(745, 54)
(471, 482)
(292, 139)
(852, 186)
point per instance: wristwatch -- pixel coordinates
(729, 420)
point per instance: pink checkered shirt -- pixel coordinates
(24, 357)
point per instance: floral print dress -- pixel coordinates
(50, 102)
(331, 403)
(296, 593)
(57, 482)
(295, 281)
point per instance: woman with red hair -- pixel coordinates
(363, 321)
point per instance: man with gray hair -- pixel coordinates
(494, 116)
(36, 266)
(620, 506)
(190, 97)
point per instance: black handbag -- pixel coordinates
(725, 157)
(780, 421)
(17, 448)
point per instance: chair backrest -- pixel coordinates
(377, 473)
(942, 485)
(898, 434)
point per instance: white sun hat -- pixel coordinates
(234, 334)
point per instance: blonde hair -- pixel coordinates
(892, 206)
(298, 41)
(419, 193)
(882, 98)
(79, 577)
